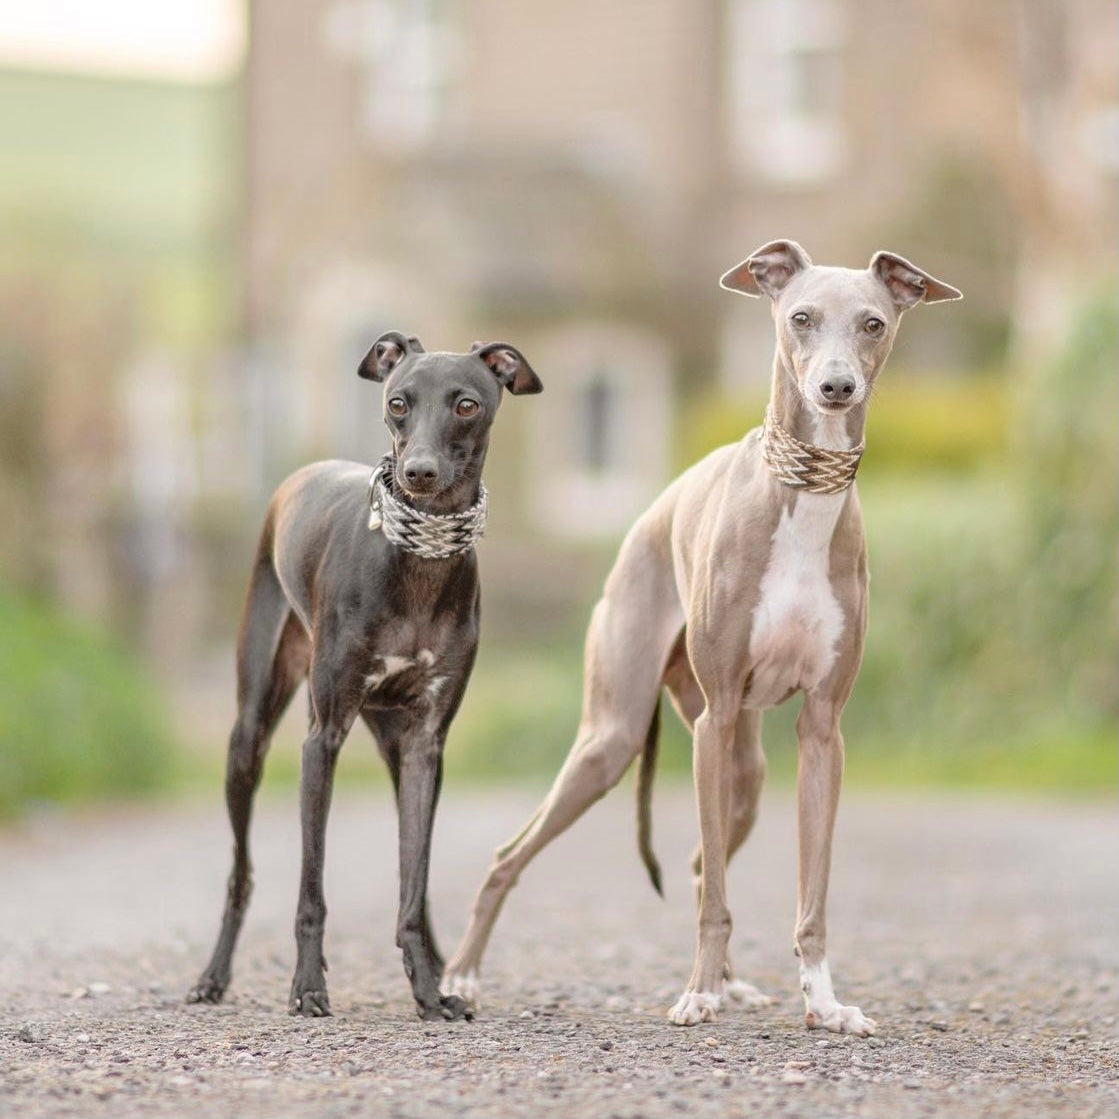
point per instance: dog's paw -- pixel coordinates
(310, 1004)
(450, 1008)
(207, 990)
(746, 994)
(694, 1007)
(840, 1019)
(823, 1011)
(464, 985)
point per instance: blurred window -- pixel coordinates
(407, 49)
(1100, 137)
(784, 87)
(599, 425)
(161, 460)
(598, 452)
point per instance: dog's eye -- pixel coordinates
(874, 326)
(466, 408)
(397, 406)
(801, 319)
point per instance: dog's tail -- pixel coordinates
(646, 767)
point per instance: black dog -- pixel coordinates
(369, 587)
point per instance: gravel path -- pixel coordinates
(982, 934)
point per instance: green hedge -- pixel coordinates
(79, 718)
(917, 423)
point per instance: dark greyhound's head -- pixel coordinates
(439, 408)
(835, 326)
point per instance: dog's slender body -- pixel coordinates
(734, 591)
(380, 632)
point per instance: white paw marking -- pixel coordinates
(694, 1007)
(746, 994)
(466, 986)
(823, 1011)
(841, 1020)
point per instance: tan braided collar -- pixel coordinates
(804, 466)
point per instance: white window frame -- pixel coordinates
(408, 50)
(570, 496)
(772, 131)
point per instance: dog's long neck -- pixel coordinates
(840, 432)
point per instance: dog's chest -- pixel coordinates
(798, 621)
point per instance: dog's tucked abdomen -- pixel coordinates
(798, 621)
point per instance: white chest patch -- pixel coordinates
(797, 622)
(390, 665)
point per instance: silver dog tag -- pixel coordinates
(375, 518)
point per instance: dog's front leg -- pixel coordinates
(336, 686)
(714, 740)
(385, 726)
(421, 775)
(819, 776)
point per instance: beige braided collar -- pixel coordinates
(804, 466)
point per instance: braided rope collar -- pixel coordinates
(431, 535)
(805, 466)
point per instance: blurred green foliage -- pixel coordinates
(917, 424)
(992, 645)
(79, 719)
(124, 226)
(156, 182)
(520, 711)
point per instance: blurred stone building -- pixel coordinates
(570, 177)
(575, 177)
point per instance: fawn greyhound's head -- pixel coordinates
(835, 326)
(439, 408)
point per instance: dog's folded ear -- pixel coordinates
(767, 270)
(387, 353)
(907, 284)
(508, 364)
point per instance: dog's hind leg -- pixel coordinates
(630, 635)
(272, 656)
(743, 790)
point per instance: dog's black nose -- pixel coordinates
(839, 387)
(421, 470)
